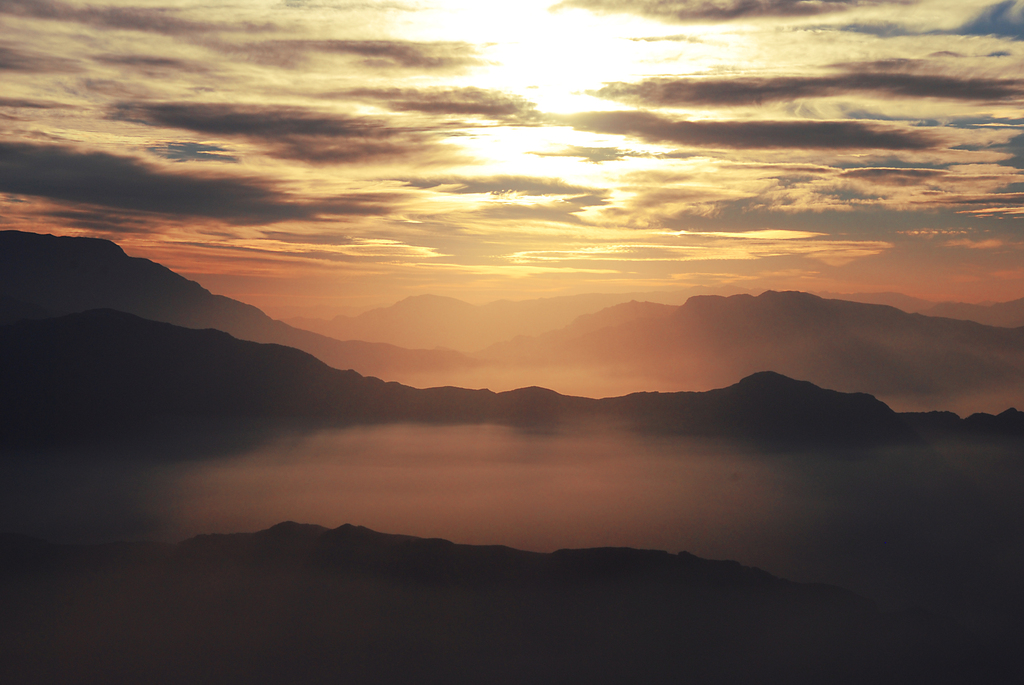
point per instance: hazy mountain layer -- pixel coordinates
(103, 373)
(62, 275)
(108, 371)
(1006, 314)
(907, 303)
(428, 321)
(910, 361)
(300, 603)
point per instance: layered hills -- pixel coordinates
(911, 361)
(103, 373)
(301, 603)
(45, 275)
(428, 321)
(1007, 314)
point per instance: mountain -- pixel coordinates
(910, 361)
(12, 310)
(108, 373)
(1006, 314)
(428, 321)
(63, 275)
(301, 603)
(907, 303)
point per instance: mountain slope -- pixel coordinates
(64, 275)
(299, 603)
(908, 360)
(1005, 314)
(106, 373)
(430, 321)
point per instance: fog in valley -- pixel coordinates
(910, 526)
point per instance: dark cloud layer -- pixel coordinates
(153, 65)
(122, 183)
(13, 60)
(28, 104)
(825, 135)
(718, 10)
(895, 177)
(292, 132)
(1001, 19)
(470, 101)
(184, 152)
(153, 20)
(388, 54)
(662, 92)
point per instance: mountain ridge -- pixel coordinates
(64, 275)
(910, 360)
(124, 372)
(298, 602)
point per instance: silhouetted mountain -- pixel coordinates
(941, 425)
(907, 303)
(109, 373)
(908, 360)
(12, 310)
(304, 604)
(64, 275)
(1005, 314)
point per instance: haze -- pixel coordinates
(935, 528)
(229, 232)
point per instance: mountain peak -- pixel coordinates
(68, 245)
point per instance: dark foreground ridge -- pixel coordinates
(103, 373)
(42, 276)
(301, 603)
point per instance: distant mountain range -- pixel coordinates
(1006, 314)
(301, 603)
(45, 275)
(912, 362)
(104, 373)
(909, 360)
(428, 321)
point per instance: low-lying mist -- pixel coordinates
(936, 527)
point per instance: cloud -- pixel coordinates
(594, 155)
(502, 185)
(1004, 19)
(989, 244)
(183, 152)
(662, 92)
(895, 177)
(1001, 19)
(153, 65)
(122, 183)
(880, 29)
(1015, 147)
(493, 104)
(677, 38)
(28, 104)
(807, 135)
(682, 11)
(13, 60)
(150, 19)
(708, 246)
(292, 132)
(388, 54)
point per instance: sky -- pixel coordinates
(319, 157)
